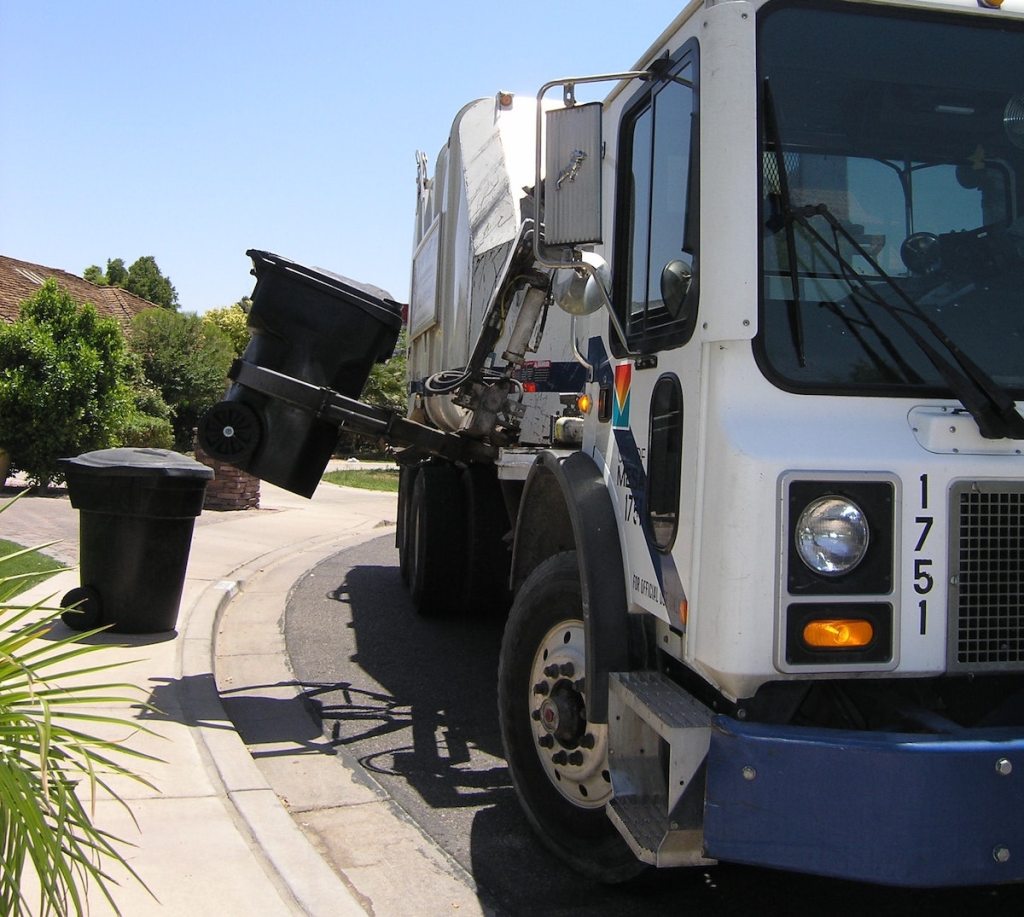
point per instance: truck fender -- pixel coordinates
(566, 506)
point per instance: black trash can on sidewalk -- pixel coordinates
(137, 509)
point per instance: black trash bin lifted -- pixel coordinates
(137, 509)
(307, 324)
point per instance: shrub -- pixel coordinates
(187, 361)
(233, 322)
(143, 431)
(148, 422)
(64, 389)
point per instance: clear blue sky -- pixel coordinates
(192, 131)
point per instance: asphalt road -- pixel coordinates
(414, 701)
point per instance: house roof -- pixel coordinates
(20, 279)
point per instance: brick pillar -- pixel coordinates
(231, 488)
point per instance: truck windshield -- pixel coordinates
(892, 200)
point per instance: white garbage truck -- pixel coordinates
(713, 388)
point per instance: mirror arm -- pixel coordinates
(578, 354)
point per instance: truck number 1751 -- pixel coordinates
(923, 579)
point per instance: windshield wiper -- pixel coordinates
(989, 404)
(795, 314)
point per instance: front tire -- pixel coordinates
(558, 760)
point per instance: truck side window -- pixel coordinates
(665, 466)
(656, 269)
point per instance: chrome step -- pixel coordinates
(658, 740)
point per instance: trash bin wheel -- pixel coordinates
(85, 608)
(230, 431)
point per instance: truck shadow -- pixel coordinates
(414, 700)
(418, 699)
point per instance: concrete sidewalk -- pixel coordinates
(295, 829)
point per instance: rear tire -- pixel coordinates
(557, 759)
(436, 540)
(406, 480)
(487, 556)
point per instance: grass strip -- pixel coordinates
(382, 479)
(34, 566)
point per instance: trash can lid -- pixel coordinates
(135, 462)
(370, 298)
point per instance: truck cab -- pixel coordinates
(803, 382)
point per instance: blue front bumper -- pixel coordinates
(916, 810)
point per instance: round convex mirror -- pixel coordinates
(675, 284)
(1013, 121)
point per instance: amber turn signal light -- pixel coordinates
(838, 633)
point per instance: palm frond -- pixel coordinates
(52, 763)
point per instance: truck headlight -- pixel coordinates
(831, 535)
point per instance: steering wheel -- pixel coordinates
(921, 253)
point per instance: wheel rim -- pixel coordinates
(573, 752)
(230, 431)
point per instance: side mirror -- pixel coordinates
(582, 290)
(572, 178)
(676, 277)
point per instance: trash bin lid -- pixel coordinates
(366, 296)
(138, 463)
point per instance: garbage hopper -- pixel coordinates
(314, 326)
(137, 509)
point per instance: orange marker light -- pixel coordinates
(838, 634)
(583, 403)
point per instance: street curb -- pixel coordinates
(288, 854)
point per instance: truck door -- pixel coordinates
(654, 373)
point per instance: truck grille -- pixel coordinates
(986, 614)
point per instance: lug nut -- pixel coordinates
(560, 757)
(567, 669)
(587, 741)
(541, 688)
(551, 671)
(576, 758)
(546, 741)
(535, 716)
(580, 686)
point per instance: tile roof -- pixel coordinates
(20, 279)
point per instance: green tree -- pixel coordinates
(94, 274)
(233, 322)
(386, 385)
(63, 382)
(143, 279)
(117, 273)
(187, 360)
